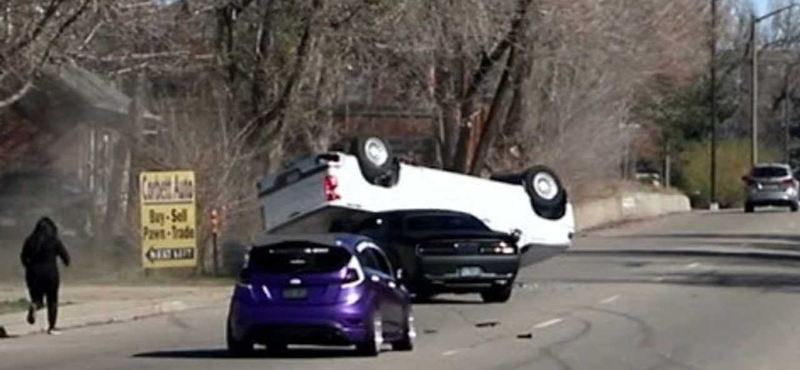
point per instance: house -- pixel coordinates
(60, 154)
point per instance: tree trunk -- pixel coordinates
(470, 101)
(512, 78)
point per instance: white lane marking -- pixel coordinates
(547, 323)
(693, 265)
(611, 299)
(449, 353)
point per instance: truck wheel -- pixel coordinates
(378, 165)
(548, 196)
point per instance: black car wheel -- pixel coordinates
(406, 342)
(422, 296)
(371, 346)
(748, 208)
(547, 194)
(375, 158)
(499, 294)
(237, 347)
(794, 207)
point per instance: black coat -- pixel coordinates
(41, 250)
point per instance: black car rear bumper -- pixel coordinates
(447, 273)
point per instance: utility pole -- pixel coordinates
(753, 93)
(754, 78)
(215, 239)
(786, 131)
(713, 98)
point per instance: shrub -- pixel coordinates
(733, 161)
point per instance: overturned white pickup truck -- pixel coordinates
(330, 192)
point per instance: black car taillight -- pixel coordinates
(500, 248)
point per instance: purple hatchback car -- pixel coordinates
(329, 289)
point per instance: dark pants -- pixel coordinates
(41, 286)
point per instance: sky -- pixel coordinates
(761, 6)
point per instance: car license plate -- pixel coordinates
(470, 271)
(295, 293)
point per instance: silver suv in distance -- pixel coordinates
(771, 184)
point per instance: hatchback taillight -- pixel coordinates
(353, 275)
(350, 276)
(330, 183)
(788, 184)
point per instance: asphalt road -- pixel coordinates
(619, 300)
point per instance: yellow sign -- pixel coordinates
(169, 229)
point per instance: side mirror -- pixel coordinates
(516, 234)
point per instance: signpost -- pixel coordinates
(169, 229)
(214, 236)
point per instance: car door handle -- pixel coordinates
(392, 285)
(375, 278)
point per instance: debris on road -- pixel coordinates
(487, 324)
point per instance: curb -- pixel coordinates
(683, 252)
(610, 225)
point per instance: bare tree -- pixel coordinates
(30, 31)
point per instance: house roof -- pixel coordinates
(64, 95)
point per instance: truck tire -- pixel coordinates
(378, 165)
(547, 194)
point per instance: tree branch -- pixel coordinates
(277, 110)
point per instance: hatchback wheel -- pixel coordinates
(237, 347)
(406, 343)
(794, 207)
(371, 346)
(748, 208)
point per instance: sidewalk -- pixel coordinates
(91, 305)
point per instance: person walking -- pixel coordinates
(39, 257)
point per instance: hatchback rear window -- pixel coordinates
(770, 172)
(443, 223)
(297, 257)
